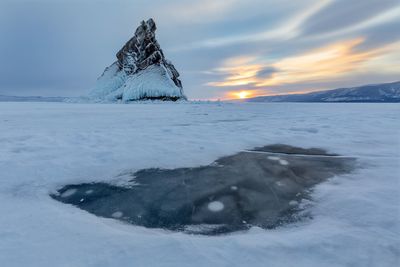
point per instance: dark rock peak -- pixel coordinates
(143, 50)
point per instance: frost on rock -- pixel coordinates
(140, 72)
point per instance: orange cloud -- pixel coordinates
(240, 71)
(323, 64)
(320, 65)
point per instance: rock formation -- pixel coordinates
(140, 72)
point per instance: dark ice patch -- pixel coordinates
(252, 188)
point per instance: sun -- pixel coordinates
(243, 94)
(240, 94)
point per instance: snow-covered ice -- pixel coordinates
(215, 206)
(43, 146)
(68, 193)
(283, 162)
(117, 214)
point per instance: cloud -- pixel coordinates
(325, 63)
(341, 14)
(266, 72)
(287, 30)
(203, 12)
(238, 71)
(328, 63)
(385, 62)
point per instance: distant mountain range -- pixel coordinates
(375, 93)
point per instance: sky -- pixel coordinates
(222, 48)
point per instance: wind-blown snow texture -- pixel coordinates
(140, 72)
(44, 146)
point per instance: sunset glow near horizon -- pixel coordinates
(223, 49)
(327, 63)
(242, 94)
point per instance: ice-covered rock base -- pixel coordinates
(261, 187)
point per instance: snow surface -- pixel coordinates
(46, 145)
(215, 206)
(114, 85)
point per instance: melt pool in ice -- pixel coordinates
(260, 187)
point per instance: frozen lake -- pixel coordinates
(44, 146)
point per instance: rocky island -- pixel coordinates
(141, 72)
